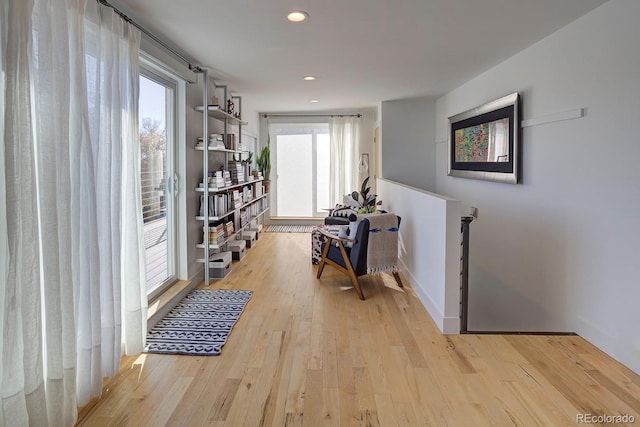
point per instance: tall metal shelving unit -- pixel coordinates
(228, 120)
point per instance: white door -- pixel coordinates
(301, 163)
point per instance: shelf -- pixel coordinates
(252, 201)
(220, 190)
(223, 150)
(215, 218)
(216, 112)
(232, 211)
(225, 241)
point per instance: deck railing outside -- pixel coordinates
(154, 211)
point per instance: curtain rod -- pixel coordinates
(310, 115)
(192, 67)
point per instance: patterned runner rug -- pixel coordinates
(289, 228)
(200, 324)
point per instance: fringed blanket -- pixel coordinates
(382, 251)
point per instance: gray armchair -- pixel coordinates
(351, 261)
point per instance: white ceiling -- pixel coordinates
(363, 51)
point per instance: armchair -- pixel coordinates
(349, 255)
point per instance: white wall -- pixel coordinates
(408, 145)
(429, 248)
(559, 252)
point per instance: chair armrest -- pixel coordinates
(335, 237)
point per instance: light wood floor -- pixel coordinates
(309, 352)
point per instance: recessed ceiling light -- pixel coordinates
(314, 100)
(297, 16)
(309, 78)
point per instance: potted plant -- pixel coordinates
(264, 163)
(366, 202)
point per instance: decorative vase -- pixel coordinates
(267, 185)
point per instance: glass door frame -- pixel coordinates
(315, 126)
(171, 117)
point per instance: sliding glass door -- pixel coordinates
(302, 165)
(157, 148)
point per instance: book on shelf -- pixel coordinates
(227, 178)
(221, 204)
(244, 218)
(236, 169)
(217, 205)
(257, 190)
(228, 229)
(247, 193)
(216, 234)
(231, 141)
(215, 141)
(216, 180)
(236, 198)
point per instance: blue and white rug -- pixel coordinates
(200, 324)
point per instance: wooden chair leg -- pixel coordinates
(350, 271)
(396, 275)
(323, 259)
(356, 284)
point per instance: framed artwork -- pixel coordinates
(484, 142)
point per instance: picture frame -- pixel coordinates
(484, 142)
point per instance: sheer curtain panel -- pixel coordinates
(72, 277)
(344, 134)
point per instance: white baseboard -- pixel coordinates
(447, 325)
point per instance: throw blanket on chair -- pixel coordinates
(382, 250)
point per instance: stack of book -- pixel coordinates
(216, 180)
(236, 199)
(216, 234)
(244, 218)
(228, 229)
(227, 178)
(247, 193)
(216, 141)
(237, 172)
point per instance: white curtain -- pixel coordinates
(344, 138)
(72, 278)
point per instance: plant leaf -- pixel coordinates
(364, 185)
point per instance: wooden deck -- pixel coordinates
(155, 243)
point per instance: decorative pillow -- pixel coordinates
(353, 228)
(342, 211)
(343, 232)
(349, 231)
(347, 200)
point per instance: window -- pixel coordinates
(302, 165)
(157, 112)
